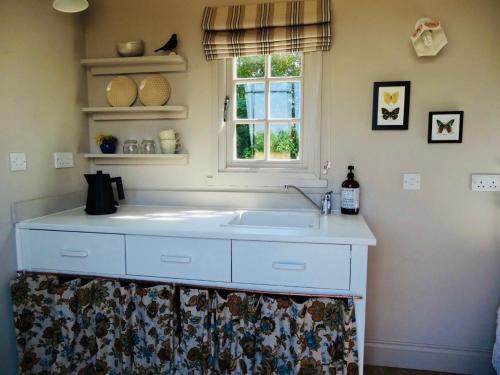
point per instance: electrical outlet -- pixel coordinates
(485, 182)
(17, 161)
(411, 181)
(63, 160)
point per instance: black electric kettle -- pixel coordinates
(100, 197)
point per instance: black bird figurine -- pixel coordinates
(170, 45)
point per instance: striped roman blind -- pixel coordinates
(287, 26)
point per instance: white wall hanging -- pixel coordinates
(428, 38)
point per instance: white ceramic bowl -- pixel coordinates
(131, 48)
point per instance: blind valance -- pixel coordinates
(288, 26)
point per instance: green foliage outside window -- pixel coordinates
(285, 65)
(250, 67)
(249, 141)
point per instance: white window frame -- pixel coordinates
(231, 82)
(256, 173)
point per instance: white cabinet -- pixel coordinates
(73, 252)
(292, 264)
(234, 263)
(179, 258)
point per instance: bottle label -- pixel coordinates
(350, 198)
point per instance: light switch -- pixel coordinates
(411, 181)
(17, 161)
(63, 160)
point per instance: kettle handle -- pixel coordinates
(119, 187)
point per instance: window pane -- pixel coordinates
(250, 67)
(250, 141)
(285, 99)
(285, 139)
(286, 65)
(250, 100)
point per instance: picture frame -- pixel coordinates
(445, 127)
(391, 105)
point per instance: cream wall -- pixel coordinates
(42, 88)
(434, 277)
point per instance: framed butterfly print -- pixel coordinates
(391, 105)
(445, 127)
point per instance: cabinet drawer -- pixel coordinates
(179, 258)
(292, 264)
(74, 252)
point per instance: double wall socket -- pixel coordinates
(63, 160)
(485, 182)
(17, 161)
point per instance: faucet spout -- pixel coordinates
(326, 200)
(288, 187)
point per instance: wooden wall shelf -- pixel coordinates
(138, 159)
(137, 113)
(131, 65)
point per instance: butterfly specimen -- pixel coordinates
(442, 126)
(391, 98)
(390, 114)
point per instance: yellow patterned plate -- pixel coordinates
(121, 91)
(154, 90)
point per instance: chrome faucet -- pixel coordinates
(326, 200)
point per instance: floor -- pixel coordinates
(373, 370)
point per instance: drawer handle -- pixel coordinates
(74, 253)
(289, 266)
(175, 259)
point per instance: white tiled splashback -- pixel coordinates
(25, 210)
(226, 199)
(29, 209)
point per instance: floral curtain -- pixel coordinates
(111, 327)
(218, 335)
(101, 327)
(317, 336)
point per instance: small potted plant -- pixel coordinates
(107, 143)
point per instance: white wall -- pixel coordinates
(434, 276)
(42, 88)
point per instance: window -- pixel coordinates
(267, 128)
(265, 121)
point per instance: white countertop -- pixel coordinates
(201, 223)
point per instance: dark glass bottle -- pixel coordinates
(349, 194)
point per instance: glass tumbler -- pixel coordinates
(148, 146)
(131, 146)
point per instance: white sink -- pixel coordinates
(276, 219)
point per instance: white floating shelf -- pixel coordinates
(137, 113)
(129, 65)
(138, 159)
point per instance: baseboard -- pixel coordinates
(457, 360)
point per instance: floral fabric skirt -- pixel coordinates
(111, 327)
